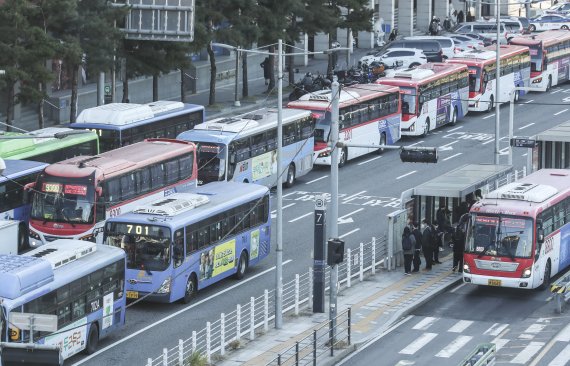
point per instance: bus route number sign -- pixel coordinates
(523, 142)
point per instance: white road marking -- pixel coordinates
(454, 346)
(496, 329)
(415, 143)
(405, 175)
(418, 343)
(488, 142)
(242, 282)
(284, 207)
(529, 101)
(489, 116)
(525, 126)
(300, 217)
(526, 354)
(455, 129)
(525, 154)
(564, 334)
(460, 326)
(562, 358)
(535, 328)
(351, 213)
(290, 193)
(425, 323)
(562, 111)
(452, 156)
(369, 160)
(556, 91)
(316, 180)
(353, 196)
(451, 143)
(500, 342)
(458, 287)
(350, 232)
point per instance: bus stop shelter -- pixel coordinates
(455, 190)
(552, 149)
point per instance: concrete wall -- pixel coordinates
(406, 17)
(424, 14)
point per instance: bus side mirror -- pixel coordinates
(99, 191)
(27, 192)
(539, 235)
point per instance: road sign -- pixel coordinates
(523, 142)
(40, 322)
(107, 89)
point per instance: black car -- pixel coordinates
(432, 49)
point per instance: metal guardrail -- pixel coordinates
(561, 292)
(231, 329)
(483, 354)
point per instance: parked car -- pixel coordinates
(447, 44)
(561, 8)
(409, 57)
(432, 49)
(464, 43)
(548, 22)
(486, 41)
(513, 25)
(486, 29)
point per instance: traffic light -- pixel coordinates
(418, 154)
(335, 252)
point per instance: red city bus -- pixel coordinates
(549, 57)
(73, 198)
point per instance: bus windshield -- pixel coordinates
(500, 236)
(147, 246)
(474, 79)
(212, 162)
(65, 200)
(535, 58)
(408, 100)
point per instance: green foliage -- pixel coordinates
(196, 359)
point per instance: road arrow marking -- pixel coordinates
(346, 219)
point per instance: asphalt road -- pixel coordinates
(370, 188)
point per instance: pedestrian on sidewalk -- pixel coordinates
(437, 238)
(459, 243)
(427, 247)
(418, 247)
(265, 65)
(408, 244)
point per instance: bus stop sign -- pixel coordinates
(523, 142)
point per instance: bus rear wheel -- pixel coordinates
(290, 176)
(191, 289)
(242, 266)
(453, 120)
(92, 339)
(516, 96)
(382, 142)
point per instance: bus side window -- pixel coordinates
(172, 171)
(191, 239)
(157, 175)
(186, 166)
(271, 137)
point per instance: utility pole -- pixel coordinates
(236, 101)
(335, 93)
(279, 249)
(497, 86)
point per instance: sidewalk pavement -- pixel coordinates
(376, 304)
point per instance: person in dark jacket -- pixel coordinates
(426, 244)
(459, 243)
(417, 261)
(408, 244)
(265, 65)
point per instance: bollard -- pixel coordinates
(252, 319)
(348, 265)
(361, 255)
(238, 322)
(297, 294)
(165, 357)
(265, 310)
(193, 341)
(373, 255)
(222, 334)
(208, 340)
(310, 294)
(181, 352)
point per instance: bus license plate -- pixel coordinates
(132, 295)
(491, 283)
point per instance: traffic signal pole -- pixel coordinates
(335, 93)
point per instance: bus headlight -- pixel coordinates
(466, 268)
(165, 287)
(413, 127)
(34, 235)
(537, 80)
(526, 272)
(324, 154)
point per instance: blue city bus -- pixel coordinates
(121, 124)
(79, 282)
(187, 241)
(244, 148)
(13, 202)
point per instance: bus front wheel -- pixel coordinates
(92, 339)
(453, 120)
(546, 280)
(491, 104)
(191, 289)
(426, 128)
(382, 142)
(242, 266)
(290, 176)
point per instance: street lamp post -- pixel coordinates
(497, 88)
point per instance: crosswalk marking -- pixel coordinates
(496, 329)
(454, 346)
(425, 323)
(564, 334)
(418, 343)
(535, 328)
(460, 326)
(499, 343)
(526, 354)
(562, 358)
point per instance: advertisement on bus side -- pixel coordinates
(72, 341)
(217, 260)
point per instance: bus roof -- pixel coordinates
(18, 168)
(28, 148)
(126, 158)
(227, 128)
(183, 208)
(25, 277)
(560, 133)
(462, 181)
(127, 115)
(487, 55)
(422, 74)
(547, 38)
(527, 196)
(349, 95)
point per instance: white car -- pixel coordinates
(548, 22)
(409, 57)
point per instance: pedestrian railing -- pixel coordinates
(248, 320)
(322, 340)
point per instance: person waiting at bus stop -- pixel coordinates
(417, 261)
(427, 246)
(459, 243)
